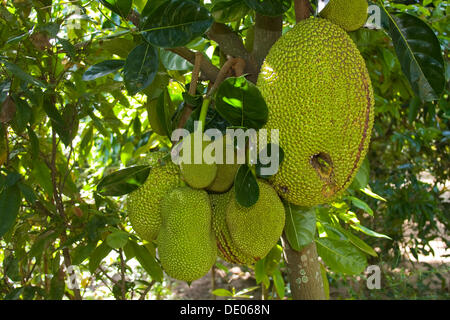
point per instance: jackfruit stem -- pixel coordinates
(203, 113)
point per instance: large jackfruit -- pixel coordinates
(143, 204)
(225, 245)
(255, 230)
(350, 15)
(186, 243)
(320, 97)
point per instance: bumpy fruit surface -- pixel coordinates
(350, 15)
(143, 204)
(186, 243)
(225, 245)
(320, 97)
(255, 230)
(197, 175)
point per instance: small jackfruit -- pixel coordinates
(225, 171)
(318, 91)
(255, 230)
(225, 245)
(186, 243)
(350, 15)
(197, 175)
(143, 204)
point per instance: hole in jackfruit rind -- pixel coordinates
(323, 165)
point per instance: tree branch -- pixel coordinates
(267, 32)
(303, 10)
(209, 71)
(231, 44)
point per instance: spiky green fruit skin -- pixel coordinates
(225, 171)
(186, 243)
(143, 204)
(225, 245)
(197, 175)
(318, 91)
(350, 15)
(255, 230)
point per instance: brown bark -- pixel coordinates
(302, 9)
(304, 272)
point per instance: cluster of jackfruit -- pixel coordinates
(191, 213)
(318, 91)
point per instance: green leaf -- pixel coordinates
(370, 193)
(11, 268)
(269, 7)
(43, 176)
(57, 288)
(161, 114)
(121, 7)
(172, 61)
(126, 153)
(272, 260)
(82, 252)
(341, 256)
(368, 231)
(360, 204)
(102, 69)
(68, 47)
(362, 176)
(14, 294)
(19, 73)
(300, 225)
(246, 187)
(360, 244)
(240, 102)
(229, 10)
(419, 52)
(175, 23)
(98, 255)
(123, 181)
(140, 68)
(326, 285)
(117, 239)
(222, 293)
(278, 282)
(27, 192)
(10, 199)
(147, 261)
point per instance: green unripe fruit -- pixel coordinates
(201, 174)
(186, 243)
(143, 204)
(350, 15)
(255, 230)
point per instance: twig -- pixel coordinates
(223, 74)
(142, 297)
(303, 10)
(122, 275)
(209, 71)
(192, 89)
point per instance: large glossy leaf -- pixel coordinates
(341, 256)
(10, 199)
(98, 255)
(175, 23)
(172, 61)
(102, 69)
(300, 225)
(123, 181)
(121, 7)
(419, 53)
(140, 68)
(229, 10)
(246, 187)
(240, 102)
(269, 7)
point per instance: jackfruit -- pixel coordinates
(225, 171)
(350, 15)
(186, 243)
(143, 204)
(225, 245)
(197, 175)
(318, 91)
(255, 230)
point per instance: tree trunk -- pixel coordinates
(304, 274)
